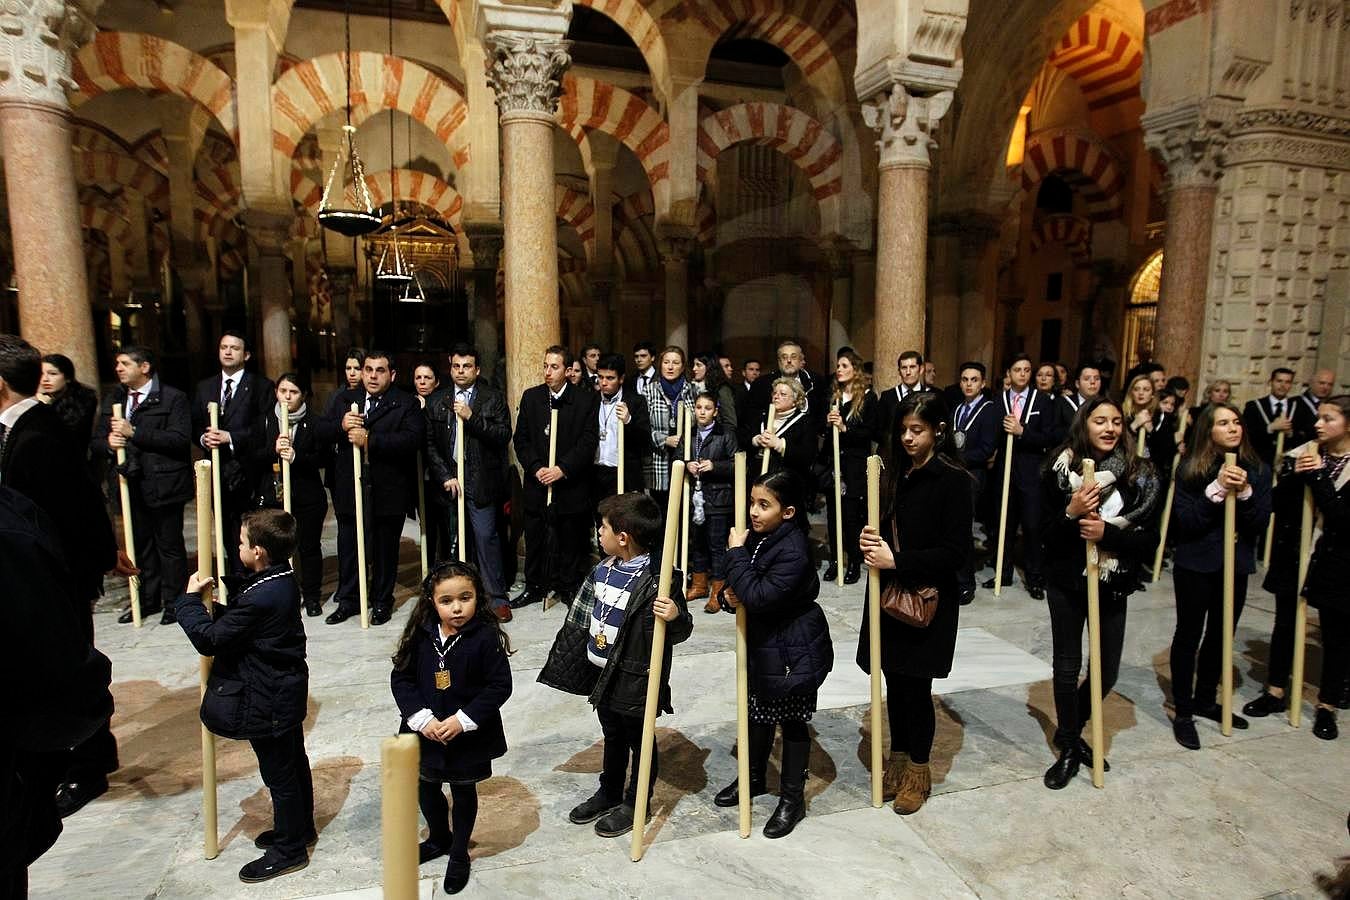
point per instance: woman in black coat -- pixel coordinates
(75, 404)
(925, 536)
(787, 640)
(1119, 513)
(309, 502)
(794, 441)
(853, 411)
(1203, 481)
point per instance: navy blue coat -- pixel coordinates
(397, 430)
(1197, 523)
(787, 636)
(159, 454)
(718, 485)
(259, 680)
(480, 683)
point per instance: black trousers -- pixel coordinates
(708, 542)
(448, 825)
(309, 549)
(1195, 679)
(623, 744)
(965, 576)
(1024, 507)
(160, 552)
(1281, 658)
(1068, 616)
(1335, 655)
(382, 539)
(442, 524)
(284, 767)
(557, 549)
(909, 709)
(855, 517)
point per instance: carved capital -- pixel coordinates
(270, 232)
(487, 250)
(1191, 142)
(525, 72)
(906, 124)
(38, 39)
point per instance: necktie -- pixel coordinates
(1279, 408)
(372, 403)
(227, 395)
(133, 401)
(1017, 406)
(965, 417)
(4, 429)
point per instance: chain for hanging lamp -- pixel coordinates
(356, 216)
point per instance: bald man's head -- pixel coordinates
(1322, 384)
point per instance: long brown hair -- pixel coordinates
(1203, 456)
(857, 388)
(1080, 445)
(424, 612)
(1127, 409)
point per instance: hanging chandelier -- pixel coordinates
(393, 269)
(412, 292)
(356, 214)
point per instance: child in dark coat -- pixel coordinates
(787, 639)
(604, 649)
(450, 679)
(259, 681)
(713, 472)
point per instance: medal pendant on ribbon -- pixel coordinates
(960, 440)
(603, 434)
(442, 679)
(601, 642)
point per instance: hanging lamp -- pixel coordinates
(356, 214)
(412, 291)
(393, 269)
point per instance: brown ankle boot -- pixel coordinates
(714, 589)
(698, 588)
(890, 776)
(916, 782)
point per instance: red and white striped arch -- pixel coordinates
(106, 167)
(1105, 59)
(587, 103)
(575, 208)
(1074, 232)
(802, 139)
(417, 187)
(1083, 161)
(634, 18)
(317, 88)
(109, 219)
(818, 37)
(115, 60)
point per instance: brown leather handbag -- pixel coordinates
(915, 607)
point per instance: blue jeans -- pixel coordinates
(708, 542)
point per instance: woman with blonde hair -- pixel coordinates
(853, 412)
(791, 443)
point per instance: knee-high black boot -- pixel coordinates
(792, 796)
(761, 743)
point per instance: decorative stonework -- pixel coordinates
(1284, 119)
(37, 40)
(906, 124)
(486, 249)
(1191, 142)
(1290, 149)
(526, 73)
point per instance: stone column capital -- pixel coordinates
(38, 39)
(906, 124)
(675, 250)
(270, 232)
(837, 254)
(1190, 140)
(525, 72)
(486, 247)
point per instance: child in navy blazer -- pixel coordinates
(450, 679)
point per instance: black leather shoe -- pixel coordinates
(967, 598)
(615, 823)
(852, 573)
(429, 850)
(168, 617)
(1184, 731)
(314, 608)
(831, 572)
(988, 585)
(1344, 701)
(589, 810)
(1214, 712)
(1036, 591)
(339, 615)
(146, 611)
(1058, 776)
(525, 598)
(1264, 705)
(73, 795)
(456, 876)
(381, 614)
(731, 795)
(269, 866)
(1085, 754)
(1324, 725)
(269, 837)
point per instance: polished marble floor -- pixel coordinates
(1254, 815)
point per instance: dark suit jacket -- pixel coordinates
(242, 419)
(1066, 408)
(38, 460)
(310, 458)
(888, 404)
(159, 454)
(1256, 418)
(1038, 435)
(578, 435)
(1305, 421)
(637, 436)
(397, 431)
(817, 403)
(487, 434)
(982, 434)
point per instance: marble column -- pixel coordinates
(270, 235)
(978, 267)
(526, 75)
(602, 330)
(675, 263)
(945, 325)
(906, 124)
(1190, 141)
(487, 250)
(36, 43)
(837, 256)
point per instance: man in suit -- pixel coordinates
(909, 366)
(389, 428)
(1028, 415)
(791, 364)
(1265, 417)
(590, 362)
(644, 368)
(487, 436)
(557, 534)
(1305, 406)
(618, 409)
(156, 431)
(244, 398)
(1087, 383)
(975, 430)
(38, 460)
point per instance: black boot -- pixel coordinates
(1058, 776)
(761, 742)
(853, 572)
(831, 572)
(792, 792)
